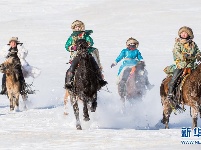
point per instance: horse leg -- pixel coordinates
(85, 111)
(94, 103)
(12, 105)
(76, 112)
(121, 91)
(66, 102)
(167, 110)
(24, 98)
(16, 101)
(194, 113)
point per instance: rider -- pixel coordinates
(79, 32)
(185, 51)
(131, 56)
(26, 70)
(75, 62)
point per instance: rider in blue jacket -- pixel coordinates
(131, 56)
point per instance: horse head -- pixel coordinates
(140, 65)
(7, 65)
(82, 46)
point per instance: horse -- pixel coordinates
(9, 67)
(189, 95)
(85, 84)
(133, 86)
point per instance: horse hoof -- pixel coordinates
(86, 119)
(93, 109)
(65, 113)
(78, 127)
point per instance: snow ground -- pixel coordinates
(44, 26)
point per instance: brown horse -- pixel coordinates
(133, 87)
(12, 82)
(190, 95)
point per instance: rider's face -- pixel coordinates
(13, 44)
(77, 28)
(184, 35)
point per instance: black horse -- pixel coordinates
(86, 76)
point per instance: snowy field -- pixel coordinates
(44, 26)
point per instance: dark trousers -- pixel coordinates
(173, 81)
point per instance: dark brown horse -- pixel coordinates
(9, 67)
(86, 83)
(133, 87)
(190, 95)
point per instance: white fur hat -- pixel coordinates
(132, 40)
(186, 29)
(13, 39)
(78, 23)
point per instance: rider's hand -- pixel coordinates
(74, 48)
(113, 64)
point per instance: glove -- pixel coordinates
(74, 48)
(113, 64)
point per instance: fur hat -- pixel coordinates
(13, 39)
(132, 40)
(186, 29)
(78, 23)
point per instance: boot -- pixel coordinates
(4, 90)
(68, 80)
(171, 85)
(102, 83)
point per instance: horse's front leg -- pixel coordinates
(10, 97)
(12, 105)
(94, 103)
(76, 112)
(85, 111)
(66, 102)
(16, 101)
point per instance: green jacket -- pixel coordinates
(183, 48)
(79, 35)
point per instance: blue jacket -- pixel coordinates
(131, 57)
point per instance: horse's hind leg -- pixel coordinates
(94, 103)
(76, 112)
(194, 113)
(85, 111)
(24, 98)
(66, 102)
(167, 110)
